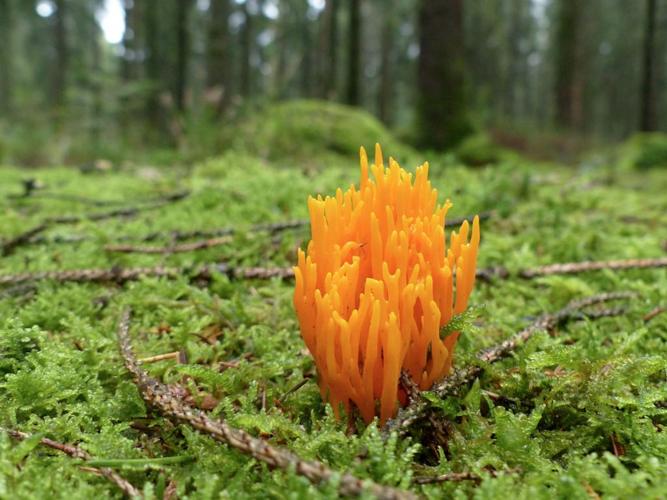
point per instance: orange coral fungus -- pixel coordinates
(377, 284)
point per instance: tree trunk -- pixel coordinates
(333, 49)
(6, 57)
(183, 9)
(569, 81)
(283, 46)
(386, 94)
(354, 53)
(307, 60)
(129, 68)
(217, 52)
(153, 66)
(95, 79)
(649, 99)
(442, 108)
(246, 51)
(60, 68)
(328, 64)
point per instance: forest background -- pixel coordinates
(89, 80)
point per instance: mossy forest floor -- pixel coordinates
(579, 412)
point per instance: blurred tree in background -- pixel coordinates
(432, 70)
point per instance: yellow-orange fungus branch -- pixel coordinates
(376, 285)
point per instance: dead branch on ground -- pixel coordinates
(124, 274)
(7, 247)
(76, 452)
(206, 271)
(580, 267)
(165, 399)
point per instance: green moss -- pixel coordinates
(647, 150)
(554, 414)
(478, 150)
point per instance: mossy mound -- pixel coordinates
(479, 150)
(645, 150)
(310, 132)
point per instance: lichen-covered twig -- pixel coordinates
(177, 235)
(180, 248)
(211, 237)
(164, 399)
(419, 410)
(76, 452)
(123, 274)
(450, 477)
(271, 227)
(21, 289)
(656, 311)
(489, 274)
(7, 247)
(580, 267)
(454, 477)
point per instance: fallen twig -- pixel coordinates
(21, 289)
(7, 247)
(271, 227)
(76, 452)
(212, 237)
(184, 247)
(295, 388)
(489, 274)
(179, 356)
(10, 245)
(410, 386)
(121, 275)
(177, 235)
(67, 197)
(165, 400)
(580, 267)
(448, 478)
(656, 311)
(418, 410)
(459, 476)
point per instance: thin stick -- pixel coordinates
(9, 246)
(17, 290)
(409, 385)
(160, 357)
(213, 237)
(458, 477)
(121, 275)
(272, 228)
(76, 452)
(185, 247)
(653, 313)
(178, 235)
(298, 386)
(165, 400)
(580, 267)
(67, 197)
(419, 409)
(448, 478)
(212, 234)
